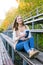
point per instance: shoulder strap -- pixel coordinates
(27, 26)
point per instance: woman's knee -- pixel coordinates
(32, 38)
(19, 46)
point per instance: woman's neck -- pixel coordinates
(20, 25)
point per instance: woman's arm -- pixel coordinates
(29, 31)
(15, 37)
(29, 35)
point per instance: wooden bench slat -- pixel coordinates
(40, 57)
(5, 57)
(39, 20)
(36, 30)
(32, 30)
(1, 63)
(26, 58)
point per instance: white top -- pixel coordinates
(15, 38)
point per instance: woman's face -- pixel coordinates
(19, 20)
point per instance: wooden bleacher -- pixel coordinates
(38, 60)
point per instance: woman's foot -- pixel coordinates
(32, 53)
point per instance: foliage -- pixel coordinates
(1, 29)
(25, 6)
(24, 9)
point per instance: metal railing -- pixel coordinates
(34, 12)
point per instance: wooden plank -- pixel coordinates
(33, 17)
(32, 61)
(6, 59)
(38, 21)
(8, 39)
(31, 30)
(36, 30)
(22, 54)
(1, 63)
(1, 51)
(40, 57)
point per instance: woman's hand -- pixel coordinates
(25, 39)
(22, 35)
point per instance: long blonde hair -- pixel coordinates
(15, 25)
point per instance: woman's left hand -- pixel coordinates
(25, 39)
(22, 35)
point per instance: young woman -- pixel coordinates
(22, 37)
